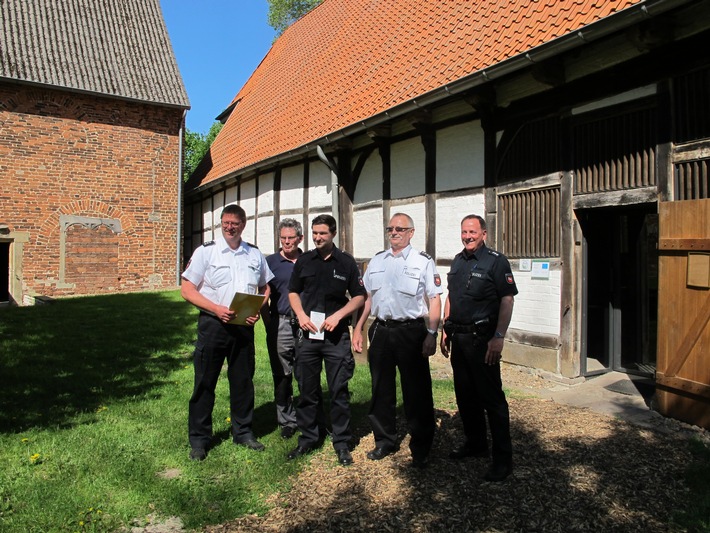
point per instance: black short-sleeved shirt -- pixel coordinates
(476, 285)
(322, 284)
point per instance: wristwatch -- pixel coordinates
(432, 332)
(499, 335)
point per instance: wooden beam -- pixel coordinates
(685, 385)
(683, 244)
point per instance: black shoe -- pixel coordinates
(420, 462)
(381, 452)
(198, 454)
(466, 450)
(252, 444)
(297, 452)
(498, 472)
(345, 458)
(287, 432)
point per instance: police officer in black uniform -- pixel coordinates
(476, 317)
(319, 283)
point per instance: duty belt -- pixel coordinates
(389, 323)
(478, 328)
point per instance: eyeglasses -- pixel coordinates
(398, 229)
(231, 224)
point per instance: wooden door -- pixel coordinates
(683, 372)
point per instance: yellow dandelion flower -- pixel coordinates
(25, 440)
(34, 458)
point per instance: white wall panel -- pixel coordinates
(459, 157)
(292, 188)
(407, 168)
(207, 220)
(537, 305)
(369, 185)
(367, 240)
(449, 212)
(248, 198)
(231, 195)
(266, 193)
(265, 234)
(319, 187)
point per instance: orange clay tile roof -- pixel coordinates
(348, 60)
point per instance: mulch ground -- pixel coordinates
(575, 470)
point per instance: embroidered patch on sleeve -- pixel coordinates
(509, 279)
(437, 280)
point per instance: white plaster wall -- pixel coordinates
(459, 157)
(418, 213)
(407, 172)
(266, 193)
(537, 305)
(368, 232)
(369, 184)
(319, 194)
(231, 195)
(265, 234)
(292, 188)
(449, 212)
(248, 198)
(207, 220)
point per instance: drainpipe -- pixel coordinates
(334, 187)
(178, 263)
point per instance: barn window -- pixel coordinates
(529, 223)
(691, 180)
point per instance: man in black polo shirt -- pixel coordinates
(317, 293)
(476, 317)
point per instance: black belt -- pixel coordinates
(389, 323)
(480, 327)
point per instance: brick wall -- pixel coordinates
(94, 182)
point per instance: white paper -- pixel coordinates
(317, 319)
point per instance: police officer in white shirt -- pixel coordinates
(217, 270)
(400, 282)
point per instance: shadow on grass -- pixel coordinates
(73, 356)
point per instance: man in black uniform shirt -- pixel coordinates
(476, 317)
(319, 283)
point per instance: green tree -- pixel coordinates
(196, 146)
(283, 13)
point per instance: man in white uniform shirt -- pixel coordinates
(399, 282)
(217, 270)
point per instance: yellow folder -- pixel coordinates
(245, 305)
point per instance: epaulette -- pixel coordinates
(208, 243)
(493, 252)
(380, 252)
(252, 245)
(426, 255)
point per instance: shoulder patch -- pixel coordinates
(493, 252)
(425, 255)
(252, 245)
(509, 278)
(208, 243)
(437, 280)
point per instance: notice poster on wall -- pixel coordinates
(540, 269)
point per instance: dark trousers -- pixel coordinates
(479, 392)
(217, 342)
(282, 348)
(311, 355)
(401, 347)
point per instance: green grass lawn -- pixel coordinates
(93, 424)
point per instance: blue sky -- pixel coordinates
(218, 44)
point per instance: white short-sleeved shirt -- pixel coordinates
(218, 271)
(398, 283)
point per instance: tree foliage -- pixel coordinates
(283, 13)
(196, 146)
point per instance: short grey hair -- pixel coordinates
(405, 215)
(291, 223)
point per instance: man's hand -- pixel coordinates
(444, 344)
(225, 314)
(251, 320)
(494, 352)
(357, 340)
(429, 345)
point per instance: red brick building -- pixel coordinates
(90, 146)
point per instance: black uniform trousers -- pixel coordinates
(217, 342)
(401, 347)
(334, 352)
(479, 392)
